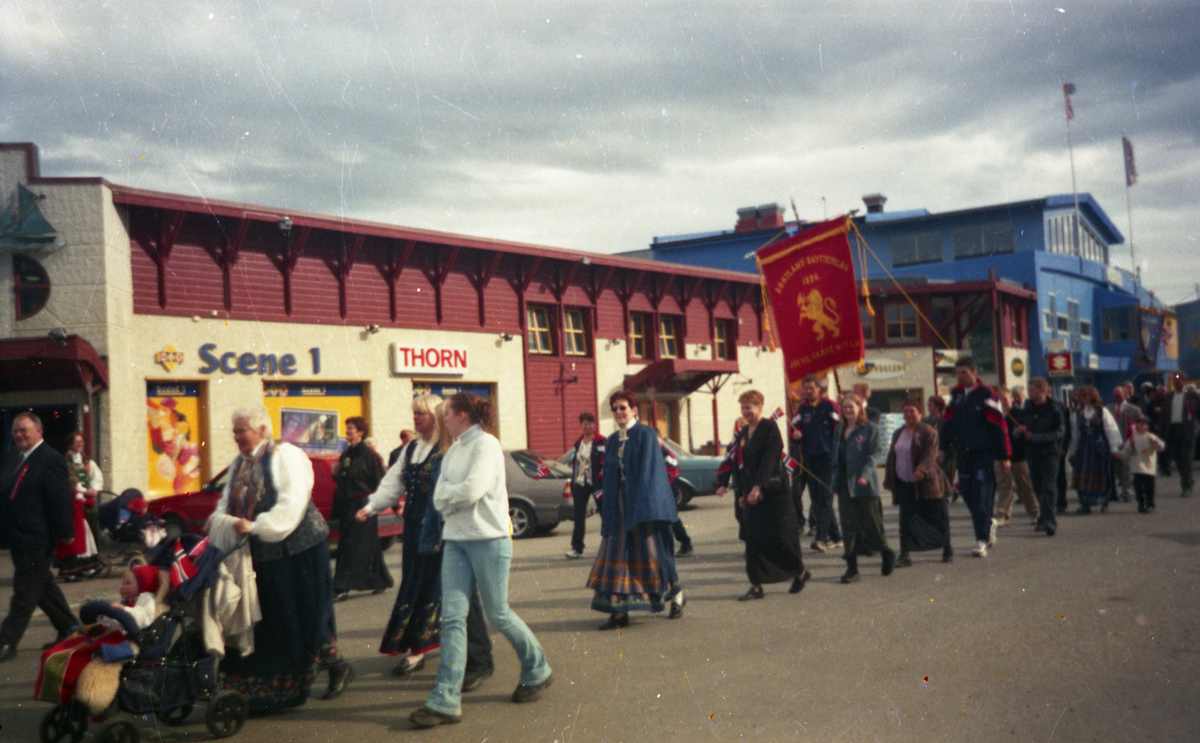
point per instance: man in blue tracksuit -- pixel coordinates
(815, 428)
(974, 426)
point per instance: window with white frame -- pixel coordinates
(574, 335)
(538, 330)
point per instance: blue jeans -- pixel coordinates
(484, 565)
(977, 476)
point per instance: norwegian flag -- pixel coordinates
(777, 414)
(791, 465)
(733, 458)
(183, 564)
(543, 470)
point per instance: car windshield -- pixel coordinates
(528, 462)
(217, 484)
(677, 450)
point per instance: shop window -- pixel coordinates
(31, 286)
(901, 320)
(574, 335)
(722, 347)
(1048, 315)
(868, 323)
(987, 239)
(637, 336)
(923, 247)
(1116, 324)
(538, 330)
(668, 346)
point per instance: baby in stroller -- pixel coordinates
(143, 589)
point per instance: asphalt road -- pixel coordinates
(1090, 635)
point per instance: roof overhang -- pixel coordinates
(678, 376)
(29, 364)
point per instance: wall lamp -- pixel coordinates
(372, 329)
(616, 341)
(285, 224)
(701, 347)
(506, 336)
(59, 336)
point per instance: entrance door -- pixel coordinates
(668, 417)
(57, 422)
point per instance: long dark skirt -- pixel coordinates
(415, 624)
(360, 564)
(924, 522)
(862, 524)
(772, 540)
(1091, 469)
(297, 636)
(635, 570)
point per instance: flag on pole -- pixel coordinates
(808, 284)
(1068, 91)
(1130, 165)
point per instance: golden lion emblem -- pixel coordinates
(822, 311)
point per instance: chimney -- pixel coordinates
(767, 216)
(874, 203)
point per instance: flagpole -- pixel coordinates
(1130, 179)
(1071, 150)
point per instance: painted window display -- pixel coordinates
(314, 431)
(173, 423)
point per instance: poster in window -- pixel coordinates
(173, 426)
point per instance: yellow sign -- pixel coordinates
(169, 357)
(1018, 368)
(173, 422)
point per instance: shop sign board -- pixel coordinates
(1059, 364)
(421, 359)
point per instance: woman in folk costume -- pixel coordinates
(414, 628)
(269, 497)
(1096, 441)
(88, 480)
(360, 564)
(635, 567)
(765, 510)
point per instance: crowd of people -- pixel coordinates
(987, 447)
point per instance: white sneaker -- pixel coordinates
(991, 542)
(980, 549)
(573, 555)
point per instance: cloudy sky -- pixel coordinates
(599, 125)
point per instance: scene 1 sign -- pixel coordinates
(809, 282)
(1059, 364)
(419, 359)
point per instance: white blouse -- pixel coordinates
(292, 474)
(1111, 433)
(391, 487)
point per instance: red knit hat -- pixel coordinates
(147, 578)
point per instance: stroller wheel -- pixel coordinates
(66, 722)
(178, 716)
(118, 730)
(226, 714)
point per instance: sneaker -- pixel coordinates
(834, 546)
(473, 680)
(426, 717)
(533, 693)
(991, 540)
(574, 555)
(817, 546)
(980, 549)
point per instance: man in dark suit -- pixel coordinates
(35, 513)
(1178, 418)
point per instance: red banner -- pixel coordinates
(809, 281)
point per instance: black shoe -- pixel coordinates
(677, 608)
(798, 582)
(533, 693)
(1061, 511)
(407, 669)
(1149, 509)
(1039, 527)
(753, 593)
(889, 562)
(341, 595)
(1049, 530)
(1083, 510)
(947, 554)
(339, 676)
(473, 680)
(427, 718)
(903, 561)
(684, 549)
(378, 591)
(7, 653)
(850, 576)
(1142, 509)
(615, 621)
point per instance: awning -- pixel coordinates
(678, 376)
(31, 364)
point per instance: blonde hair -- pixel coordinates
(433, 405)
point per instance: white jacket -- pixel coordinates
(471, 492)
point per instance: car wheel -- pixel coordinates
(683, 495)
(524, 520)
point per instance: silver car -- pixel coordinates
(536, 504)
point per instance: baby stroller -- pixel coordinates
(170, 674)
(121, 519)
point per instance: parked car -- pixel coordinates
(186, 513)
(697, 472)
(536, 504)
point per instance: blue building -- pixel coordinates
(1084, 306)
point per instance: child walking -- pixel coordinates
(1140, 450)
